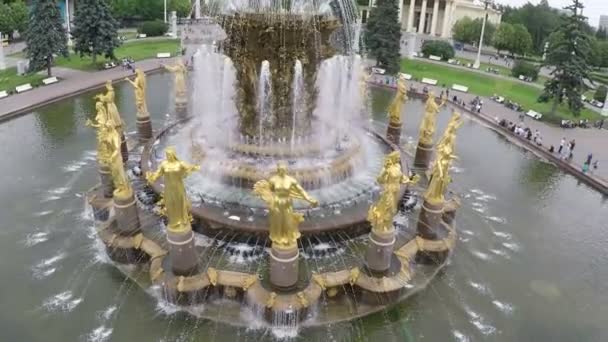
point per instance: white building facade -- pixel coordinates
(603, 22)
(436, 17)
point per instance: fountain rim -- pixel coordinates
(352, 218)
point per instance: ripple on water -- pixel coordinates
(107, 313)
(477, 191)
(460, 337)
(486, 198)
(100, 334)
(512, 246)
(62, 302)
(501, 253)
(43, 213)
(481, 255)
(59, 191)
(36, 238)
(467, 232)
(481, 288)
(479, 322)
(496, 219)
(480, 210)
(50, 198)
(504, 307)
(502, 235)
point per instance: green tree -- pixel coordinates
(383, 33)
(600, 93)
(568, 55)
(20, 14)
(6, 21)
(45, 35)
(95, 29)
(601, 34)
(503, 37)
(540, 21)
(521, 41)
(182, 7)
(468, 31)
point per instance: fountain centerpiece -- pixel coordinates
(290, 198)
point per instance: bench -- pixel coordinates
(50, 80)
(405, 76)
(534, 114)
(452, 61)
(23, 87)
(163, 55)
(3, 94)
(378, 71)
(429, 81)
(434, 58)
(141, 35)
(461, 88)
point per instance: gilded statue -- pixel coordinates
(111, 140)
(177, 204)
(278, 192)
(101, 120)
(180, 71)
(140, 93)
(449, 136)
(429, 121)
(394, 110)
(111, 110)
(440, 177)
(381, 213)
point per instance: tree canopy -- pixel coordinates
(45, 35)
(148, 9)
(568, 54)
(13, 17)
(95, 29)
(468, 31)
(383, 33)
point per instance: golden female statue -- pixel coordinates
(180, 71)
(381, 213)
(278, 192)
(429, 121)
(440, 177)
(449, 136)
(140, 93)
(122, 188)
(101, 119)
(177, 204)
(394, 110)
(111, 110)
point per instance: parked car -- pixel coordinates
(534, 115)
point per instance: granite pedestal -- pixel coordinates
(380, 250)
(124, 150)
(144, 128)
(393, 133)
(127, 218)
(431, 227)
(182, 252)
(424, 153)
(107, 184)
(284, 267)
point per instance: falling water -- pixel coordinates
(213, 97)
(264, 98)
(339, 101)
(298, 97)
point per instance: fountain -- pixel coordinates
(283, 175)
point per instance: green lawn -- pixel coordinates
(502, 70)
(487, 86)
(9, 79)
(137, 50)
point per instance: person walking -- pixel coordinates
(589, 157)
(561, 145)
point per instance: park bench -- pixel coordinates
(163, 55)
(50, 80)
(429, 81)
(23, 87)
(459, 87)
(3, 94)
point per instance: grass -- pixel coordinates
(487, 86)
(138, 50)
(9, 79)
(502, 70)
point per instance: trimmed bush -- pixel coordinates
(438, 48)
(526, 69)
(600, 93)
(153, 28)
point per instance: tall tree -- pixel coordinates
(468, 31)
(568, 55)
(601, 34)
(95, 29)
(503, 37)
(182, 7)
(383, 33)
(521, 41)
(20, 14)
(45, 35)
(540, 21)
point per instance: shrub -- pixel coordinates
(438, 48)
(153, 28)
(600, 93)
(526, 69)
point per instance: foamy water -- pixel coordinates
(481, 255)
(100, 334)
(62, 302)
(512, 246)
(500, 252)
(496, 219)
(460, 337)
(503, 307)
(36, 238)
(502, 235)
(481, 288)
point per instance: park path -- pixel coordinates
(590, 140)
(72, 82)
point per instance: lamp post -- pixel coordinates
(165, 11)
(483, 29)
(67, 22)
(2, 62)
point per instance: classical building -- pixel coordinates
(435, 17)
(603, 22)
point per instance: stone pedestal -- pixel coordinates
(182, 252)
(393, 133)
(424, 153)
(124, 150)
(429, 221)
(144, 128)
(107, 184)
(284, 267)
(380, 250)
(181, 108)
(127, 218)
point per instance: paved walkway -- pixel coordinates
(73, 82)
(590, 140)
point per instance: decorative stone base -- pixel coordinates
(107, 184)
(380, 251)
(124, 150)
(432, 228)
(127, 219)
(182, 252)
(393, 133)
(144, 129)
(284, 267)
(181, 108)
(127, 255)
(424, 153)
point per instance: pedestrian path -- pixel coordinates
(72, 82)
